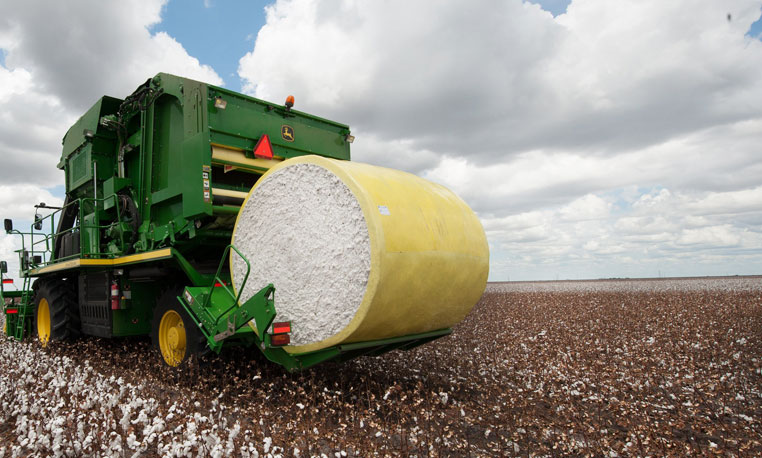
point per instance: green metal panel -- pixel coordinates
(90, 234)
(80, 168)
(167, 152)
(197, 155)
(134, 316)
(245, 119)
(110, 187)
(89, 122)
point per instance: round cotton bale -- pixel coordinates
(358, 252)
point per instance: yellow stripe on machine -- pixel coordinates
(122, 260)
(222, 155)
(229, 193)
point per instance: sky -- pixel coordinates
(593, 138)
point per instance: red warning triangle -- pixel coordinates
(263, 149)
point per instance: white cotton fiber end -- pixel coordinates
(303, 230)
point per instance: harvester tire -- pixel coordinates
(56, 313)
(175, 336)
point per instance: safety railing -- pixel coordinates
(47, 238)
(44, 241)
(219, 281)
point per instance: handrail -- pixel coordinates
(48, 239)
(217, 279)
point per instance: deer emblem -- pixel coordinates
(287, 132)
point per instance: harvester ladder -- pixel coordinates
(25, 310)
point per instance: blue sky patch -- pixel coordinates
(554, 7)
(755, 31)
(218, 33)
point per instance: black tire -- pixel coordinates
(195, 342)
(63, 311)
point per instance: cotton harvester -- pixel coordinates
(188, 204)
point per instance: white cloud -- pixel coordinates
(32, 124)
(588, 207)
(17, 201)
(653, 224)
(719, 203)
(13, 82)
(397, 154)
(81, 50)
(715, 236)
(8, 246)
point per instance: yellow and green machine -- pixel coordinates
(142, 242)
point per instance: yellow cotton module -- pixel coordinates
(415, 254)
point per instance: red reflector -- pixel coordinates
(263, 149)
(282, 327)
(12, 311)
(7, 281)
(279, 340)
(218, 284)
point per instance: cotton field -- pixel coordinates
(605, 368)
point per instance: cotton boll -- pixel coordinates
(234, 431)
(141, 419)
(267, 443)
(124, 422)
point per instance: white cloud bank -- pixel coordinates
(619, 139)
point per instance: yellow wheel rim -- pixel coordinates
(172, 338)
(43, 322)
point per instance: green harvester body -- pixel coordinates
(154, 184)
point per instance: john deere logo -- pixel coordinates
(287, 132)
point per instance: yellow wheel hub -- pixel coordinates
(43, 322)
(172, 338)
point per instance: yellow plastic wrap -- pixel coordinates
(429, 254)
